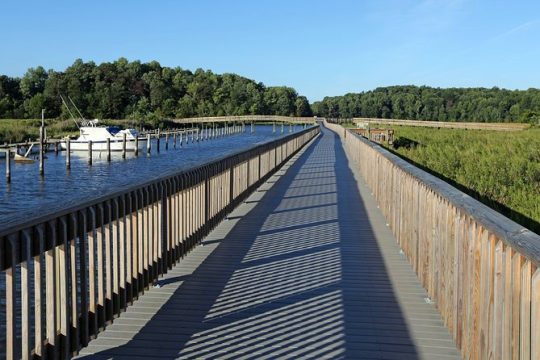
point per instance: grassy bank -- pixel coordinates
(501, 169)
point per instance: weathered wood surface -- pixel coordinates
(479, 267)
(305, 268)
(245, 118)
(447, 124)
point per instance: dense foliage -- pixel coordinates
(501, 169)
(124, 89)
(426, 103)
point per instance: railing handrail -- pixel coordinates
(246, 118)
(517, 236)
(129, 188)
(512, 233)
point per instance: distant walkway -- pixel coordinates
(306, 268)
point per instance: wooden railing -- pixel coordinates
(437, 124)
(246, 118)
(478, 267)
(69, 274)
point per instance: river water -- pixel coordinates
(28, 195)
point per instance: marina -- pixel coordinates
(28, 194)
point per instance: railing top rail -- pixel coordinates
(27, 223)
(254, 118)
(518, 237)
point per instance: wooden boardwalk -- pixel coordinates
(306, 268)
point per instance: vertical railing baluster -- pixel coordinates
(65, 270)
(92, 308)
(26, 293)
(122, 253)
(108, 219)
(101, 281)
(81, 233)
(38, 292)
(50, 291)
(130, 214)
(72, 239)
(115, 257)
(11, 249)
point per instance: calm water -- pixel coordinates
(29, 195)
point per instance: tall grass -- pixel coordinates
(501, 169)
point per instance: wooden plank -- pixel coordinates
(81, 234)
(11, 299)
(525, 312)
(65, 270)
(50, 292)
(92, 307)
(507, 320)
(26, 294)
(116, 257)
(498, 303)
(517, 263)
(101, 265)
(39, 306)
(75, 286)
(535, 316)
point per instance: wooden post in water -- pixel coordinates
(137, 145)
(181, 139)
(56, 147)
(197, 130)
(68, 154)
(148, 144)
(167, 141)
(8, 167)
(174, 140)
(108, 149)
(89, 152)
(41, 150)
(158, 136)
(252, 129)
(124, 146)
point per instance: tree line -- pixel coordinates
(427, 103)
(149, 91)
(124, 89)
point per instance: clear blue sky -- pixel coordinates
(320, 48)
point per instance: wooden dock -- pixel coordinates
(306, 267)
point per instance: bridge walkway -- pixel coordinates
(305, 268)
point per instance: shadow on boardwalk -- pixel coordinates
(300, 276)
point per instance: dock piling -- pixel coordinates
(41, 150)
(68, 154)
(124, 146)
(167, 141)
(108, 149)
(158, 136)
(137, 145)
(148, 144)
(174, 140)
(8, 167)
(89, 152)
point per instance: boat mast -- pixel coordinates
(70, 113)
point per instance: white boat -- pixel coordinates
(90, 131)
